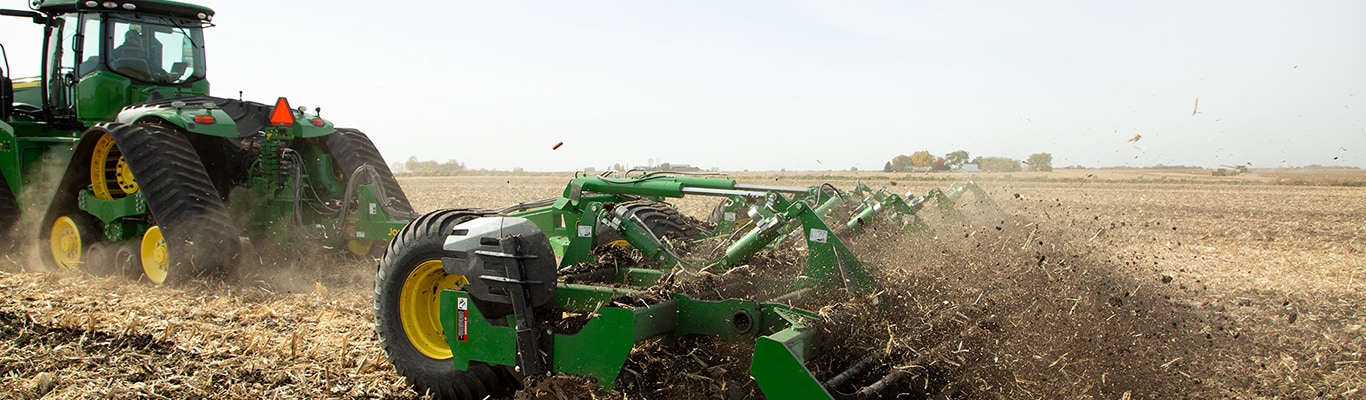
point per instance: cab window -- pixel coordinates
(90, 46)
(154, 52)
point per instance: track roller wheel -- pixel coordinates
(98, 258)
(127, 261)
(407, 288)
(68, 240)
(156, 260)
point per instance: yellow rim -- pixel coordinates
(619, 243)
(66, 243)
(419, 307)
(110, 176)
(155, 261)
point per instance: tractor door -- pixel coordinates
(61, 50)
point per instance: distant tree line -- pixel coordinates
(430, 167)
(925, 161)
(414, 166)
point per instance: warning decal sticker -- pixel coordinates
(818, 235)
(462, 322)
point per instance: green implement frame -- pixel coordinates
(572, 221)
(784, 337)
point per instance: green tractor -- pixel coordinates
(150, 174)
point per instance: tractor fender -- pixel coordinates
(308, 130)
(184, 117)
(232, 119)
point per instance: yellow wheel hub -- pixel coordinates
(419, 307)
(156, 262)
(110, 177)
(124, 177)
(66, 243)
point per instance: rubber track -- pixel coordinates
(9, 215)
(419, 240)
(351, 148)
(200, 236)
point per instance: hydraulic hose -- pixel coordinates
(368, 173)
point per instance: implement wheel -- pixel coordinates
(661, 219)
(407, 313)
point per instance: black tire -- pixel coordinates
(420, 242)
(9, 217)
(664, 221)
(182, 199)
(351, 149)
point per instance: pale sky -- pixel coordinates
(804, 85)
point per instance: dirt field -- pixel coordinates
(1107, 287)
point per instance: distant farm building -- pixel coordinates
(669, 167)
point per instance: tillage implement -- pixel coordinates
(470, 302)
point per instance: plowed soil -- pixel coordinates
(1086, 289)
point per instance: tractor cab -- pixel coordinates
(100, 56)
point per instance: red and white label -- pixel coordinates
(462, 320)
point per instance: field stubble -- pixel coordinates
(1088, 290)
